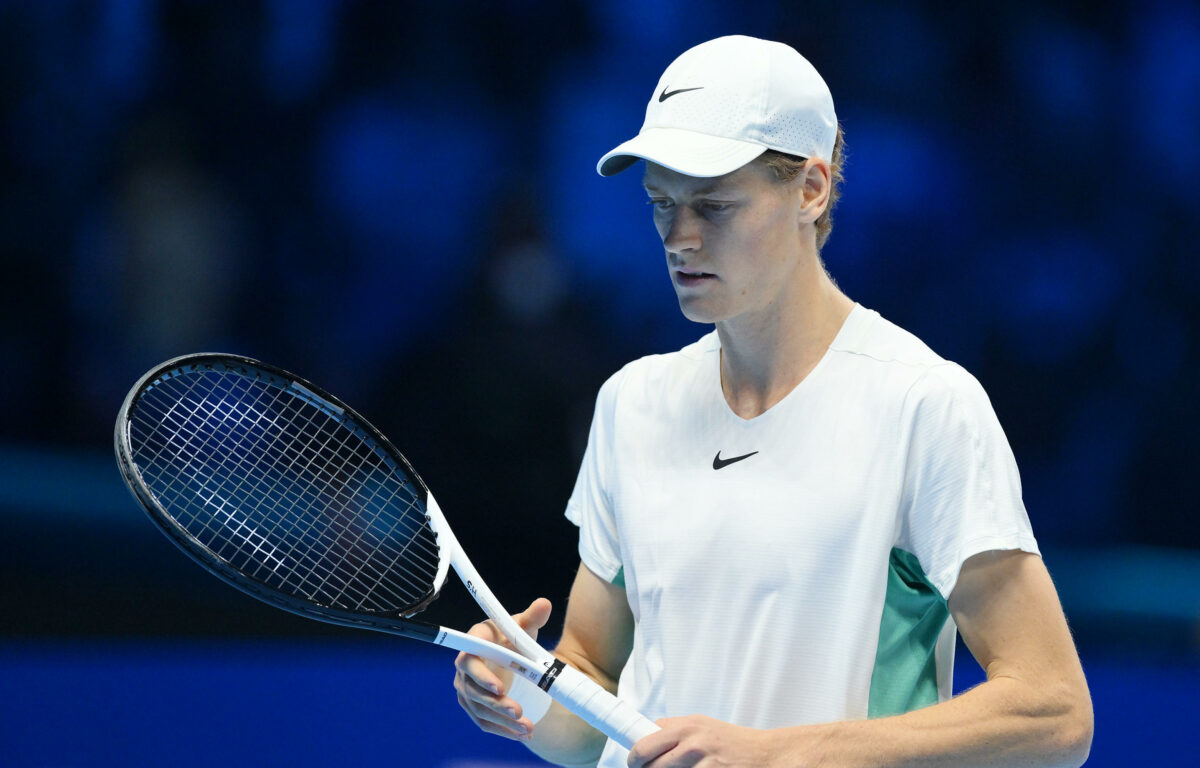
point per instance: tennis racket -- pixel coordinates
(285, 492)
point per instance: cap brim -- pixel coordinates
(686, 152)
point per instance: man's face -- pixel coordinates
(732, 242)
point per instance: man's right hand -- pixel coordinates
(483, 685)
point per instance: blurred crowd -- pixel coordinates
(397, 200)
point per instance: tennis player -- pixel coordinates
(783, 525)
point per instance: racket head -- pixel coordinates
(283, 491)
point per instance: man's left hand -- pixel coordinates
(703, 742)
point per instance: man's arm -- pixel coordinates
(597, 638)
(1033, 710)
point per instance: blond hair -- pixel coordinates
(787, 167)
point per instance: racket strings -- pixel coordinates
(222, 519)
(340, 481)
(284, 491)
(331, 575)
(353, 565)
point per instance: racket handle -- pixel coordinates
(597, 707)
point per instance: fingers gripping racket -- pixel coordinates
(285, 492)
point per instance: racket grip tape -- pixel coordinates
(597, 707)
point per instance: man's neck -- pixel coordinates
(766, 356)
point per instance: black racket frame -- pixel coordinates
(396, 623)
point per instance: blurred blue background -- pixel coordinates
(398, 200)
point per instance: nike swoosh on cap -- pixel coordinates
(719, 463)
(666, 95)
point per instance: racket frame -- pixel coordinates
(395, 623)
(572, 688)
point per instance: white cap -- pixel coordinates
(725, 102)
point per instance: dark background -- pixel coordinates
(398, 201)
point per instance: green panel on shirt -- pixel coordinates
(619, 579)
(914, 613)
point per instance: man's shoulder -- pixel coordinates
(668, 372)
(892, 364)
(872, 336)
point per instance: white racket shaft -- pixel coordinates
(574, 690)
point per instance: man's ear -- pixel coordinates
(815, 182)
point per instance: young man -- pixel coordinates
(783, 524)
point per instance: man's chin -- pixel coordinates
(696, 311)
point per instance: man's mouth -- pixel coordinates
(692, 276)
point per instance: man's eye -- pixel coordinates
(660, 204)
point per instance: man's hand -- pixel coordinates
(483, 686)
(703, 742)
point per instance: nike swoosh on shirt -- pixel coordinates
(719, 463)
(665, 95)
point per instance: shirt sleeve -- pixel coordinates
(590, 506)
(962, 490)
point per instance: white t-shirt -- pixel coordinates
(793, 568)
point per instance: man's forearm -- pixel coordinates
(563, 739)
(596, 640)
(1003, 722)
